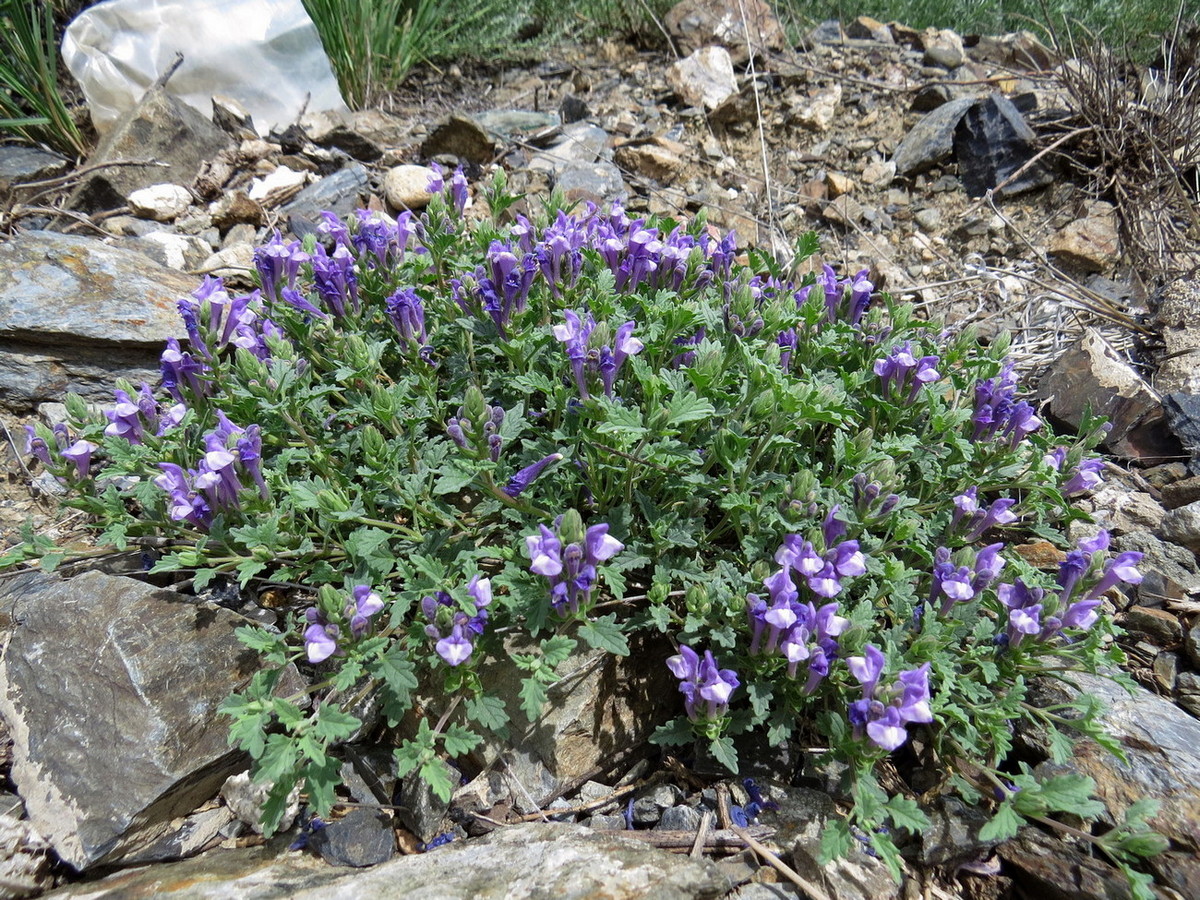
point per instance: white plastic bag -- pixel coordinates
(263, 53)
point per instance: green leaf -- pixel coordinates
(836, 840)
(533, 698)
(276, 804)
(556, 649)
(605, 634)
(1005, 824)
(436, 774)
(321, 778)
(1071, 793)
(453, 480)
(459, 740)
(488, 712)
(724, 752)
(249, 733)
(332, 724)
(675, 733)
(905, 813)
(279, 759)
(687, 407)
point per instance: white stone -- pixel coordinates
(160, 202)
(245, 799)
(705, 78)
(280, 179)
(406, 187)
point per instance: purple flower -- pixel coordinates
(703, 680)
(1120, 570)
(124, 419)
(334, 279)
(80, 453)
(277, 264)
(458, 190)
(571, 569)
(574, 337)
(1024, 611)
(883, 713)
(867, 668)
(545, 552)
(527, 475)
(364, 604)
(1086, 477)
(296, 300)
(455, 649)
(320, 637)
(407, 314)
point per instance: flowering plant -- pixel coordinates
(435, 426)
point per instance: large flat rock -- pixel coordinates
(566, 862)
(110, 689)
(75, 313)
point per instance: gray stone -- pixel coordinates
(864, 28)
(1089, 244)
(171, 137)
(1191, 645)
(953, 834)
(580, 143)
(679, 818)
(943, 47)
(1182, 526)
(181, 252)
(363, 837)
(519, 124)
(992, 143)
(1162, 745)
(1091, 375)
(748, 26)
(25, 862)
(703, 79)
(1158, 626)
(342, 192)
(422, 812)
(197, 832)
(111, 693)
(1121, 510)
(566, 862)
(598, 182)
(1177, 318)
(20, 164)
(606, 822)
(245, 800)
(648, 808)
(1170, 561)
(1183, 417)
(75, 313)
(931, 141)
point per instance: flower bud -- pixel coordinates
(474, 405)
(571, 530)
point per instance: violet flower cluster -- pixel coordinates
(997, 415)
(606, 359)
(133, 417)
(1083, 478)
(706, 688)
(196, 495)
(884, 713)
(571, 568)
(1036, 612)
(323, 638)
(902, 373)
(214, 320)
(954, 584)
(452, 629)
(76, 452)
(973, 521)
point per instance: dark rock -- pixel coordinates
(1183, 418)
(351, 143)
(363, 837)
(234, 119)
(1050, 869)
(237, 208)
(867, 29)
(171, 137)
(931, 140)
(649, 806)
(462, 137)
(1191, 645)
(112, 688)
(1158, 626)
(1091, 375)
(1182, 492)
(953, 834)
(19, 164)
(931, 97)
(702, 23)
(420, 810)
(75, 313)
(572, 110)
(341, 193)
(992, 142)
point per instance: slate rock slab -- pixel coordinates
(931, 140)
(992, 143)
(111, 688)
(363, 837)
(75, 312)
(566, 862)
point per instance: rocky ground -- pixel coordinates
(917, 155)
